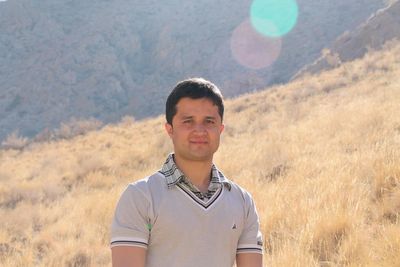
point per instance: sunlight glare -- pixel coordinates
(253, 50)
(273, 18)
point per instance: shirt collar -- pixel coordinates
(174, 175)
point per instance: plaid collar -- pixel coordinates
(173, 175)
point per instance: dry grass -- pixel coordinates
(321, 156)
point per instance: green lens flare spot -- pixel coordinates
(273, 18)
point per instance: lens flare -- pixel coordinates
(253, 50)
(273, 18)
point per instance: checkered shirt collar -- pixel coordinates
(173, 174)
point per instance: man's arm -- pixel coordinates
(249, 260)
(128, 256)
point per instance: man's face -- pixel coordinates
(196, 129)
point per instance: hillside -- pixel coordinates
(381, 27)
(106, 59)
(321, 156)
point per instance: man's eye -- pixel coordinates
(187, 121)
(210, 121)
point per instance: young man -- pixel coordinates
(188, 214)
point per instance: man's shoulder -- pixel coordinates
(239, 190)
(233, 186)
(155, 181)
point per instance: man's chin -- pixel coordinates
(200, 156)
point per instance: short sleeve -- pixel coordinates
(131, 222)
(250, 241)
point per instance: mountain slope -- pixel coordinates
(106, 59)
(372, 34)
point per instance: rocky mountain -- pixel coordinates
(381, 27)
(108, 58)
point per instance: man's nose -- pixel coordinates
(199, 128)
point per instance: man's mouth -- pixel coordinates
(198, 142)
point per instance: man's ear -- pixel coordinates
(168, 128)
(222, 128)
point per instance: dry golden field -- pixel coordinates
(321, 156)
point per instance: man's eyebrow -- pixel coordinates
(183, 117)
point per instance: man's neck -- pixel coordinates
(198, 172)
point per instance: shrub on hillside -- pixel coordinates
(68, 130)
(76, 127)
(14, 141)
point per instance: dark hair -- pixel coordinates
(193, 88)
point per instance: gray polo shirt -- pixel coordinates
(179, 229)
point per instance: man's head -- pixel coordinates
(194, 88)
(194, 112)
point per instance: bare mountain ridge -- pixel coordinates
(106, 59)
(383, 26)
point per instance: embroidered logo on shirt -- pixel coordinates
(234, 226)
